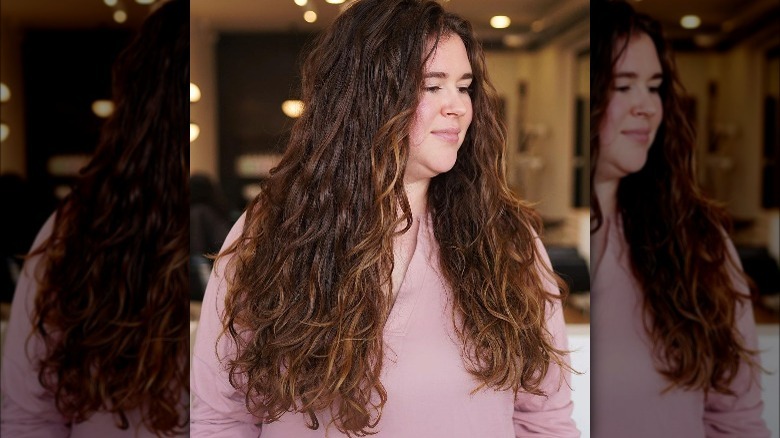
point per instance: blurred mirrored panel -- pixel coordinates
(55, 70)
(728, 58)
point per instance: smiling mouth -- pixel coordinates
(448, 135)
(641, 136)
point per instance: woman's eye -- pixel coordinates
(655, 90)
(623, 89)
(432, 89)
(465, 90)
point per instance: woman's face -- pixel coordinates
(634, 111)
(443, 114)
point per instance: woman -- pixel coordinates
(386, 280)
(97, 340)
(674, 342)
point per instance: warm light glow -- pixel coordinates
(500, 21)
(310, 16)
(62, 191)
(514, 40)
(194, 93)
(120, 16)
(292, 108)
(144, 2)
(256, 165)
(4, 131)
(5, 93)
(103, 108)
(301, 2)
(537, 26)
(334, 2)
(110, 3)
(67, 165)
(194, 132)
(690, 21)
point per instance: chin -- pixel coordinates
(446, 167)
(635, 167)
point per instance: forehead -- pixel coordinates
(639, 56)
(449, 53)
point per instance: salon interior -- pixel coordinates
(245, 59)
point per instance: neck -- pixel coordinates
(417, 194)
(606, 191)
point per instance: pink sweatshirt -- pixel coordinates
(28, 411)
(428, 387)
(626, 388)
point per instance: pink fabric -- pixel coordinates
(27, 409)
(423, 373)
(626, 388)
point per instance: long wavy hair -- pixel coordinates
(676, 236)
(113, 298)
(310, 277)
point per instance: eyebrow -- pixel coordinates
(442, 75)
(632, 75)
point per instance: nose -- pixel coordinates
(645, 106)
(456, 104)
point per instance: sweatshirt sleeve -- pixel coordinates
(550, 415)
(218, 409)
(28, 410)
(739, 414)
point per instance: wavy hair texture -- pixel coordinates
(676, 235)
(112, 304)
(309, 278)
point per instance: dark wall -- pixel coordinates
(255, 74)
(64, 72)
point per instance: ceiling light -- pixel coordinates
(110, 3)
(144, 2)
(120, 16)
(194, 131)
(4, 131)
(5, 93)
(334, 2)
(194, 93)
(301, 2)
(690, 21)
(500, 21)
(292, 108)
(103, 108)
(310, 16)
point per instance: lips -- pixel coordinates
(641, 136)
(450, 135)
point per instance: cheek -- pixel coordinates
(419, 127)
(610, 126)
(607, 130)
(659, 113)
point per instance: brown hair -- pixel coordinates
(678, 245)
(308, 298)
(112, 304)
